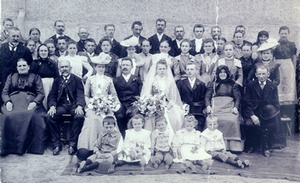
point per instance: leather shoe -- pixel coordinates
(56, 151)
(71, 150)
(267, 153)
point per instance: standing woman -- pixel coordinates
(51, 46)
(35, 34)
(285, 55)
(22, 119)
(31, 46)
(111, 68)
(46, 68)
(262, 37)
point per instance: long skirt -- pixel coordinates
(287, 85)
(47, 85)
(21, 129)
(91, 130)
(229, 123)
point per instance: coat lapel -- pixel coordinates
(257, 88)
(187, 83)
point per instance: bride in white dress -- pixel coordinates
(161, 80)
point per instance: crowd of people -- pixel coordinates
(219, 96)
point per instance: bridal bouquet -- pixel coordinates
(104, 104)
(151, 105)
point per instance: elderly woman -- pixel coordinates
(97, 86)
(22, 122)
(223, 99)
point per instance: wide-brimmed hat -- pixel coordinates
(268, 112)
(102, 59)
(270, 43)
(130, 42)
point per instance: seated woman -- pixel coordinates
(223, 99)
(22, 122)
(161, 81)
(46, 68)
(97, 86)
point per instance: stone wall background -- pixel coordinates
(255, 15)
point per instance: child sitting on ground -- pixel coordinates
(161, 139)
(187, 148)
(213, 143)
(137, 142)
(106, 148)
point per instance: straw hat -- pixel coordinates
(270, 43)
(102, 59)
(130, 42)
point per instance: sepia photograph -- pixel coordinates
(150, 91)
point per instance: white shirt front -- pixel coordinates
(192, 82)
(198, 43)
(178, 43)
(159, 36)
(126, 77)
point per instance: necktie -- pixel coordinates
(66, 90)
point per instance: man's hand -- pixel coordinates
(9, 106)
(52, 111)
(209, 110)
(79, 110)
(234, 111)
(31, 106)
(255, 120)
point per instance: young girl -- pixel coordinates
(213, 143)
(184, 58)
(30, 44)
(51, 46)
(234, 65)
(77, 62)
(105, 151)
(35, 34)
(206, 61)
(161, 139)
(187, 147)
(137, 142)
(111, 68)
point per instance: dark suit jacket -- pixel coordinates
(128, 91)
(8, 59)
(255, 99)
(155, 42)
(80, 46)
(193, 48)
(175, 51)
(54, 39)
(194, 97)
(138, 47)
(74, 87)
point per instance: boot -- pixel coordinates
(89, 167)
(265, 145)
(236, 163)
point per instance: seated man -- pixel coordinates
(128, 88)
(66, 96)
(261, 108)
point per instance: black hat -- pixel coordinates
(268, 112)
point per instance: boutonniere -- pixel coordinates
(134, 79)
(198, 83)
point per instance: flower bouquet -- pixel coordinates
(104, 104)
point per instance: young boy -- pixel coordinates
(213, 143)
(107, 146)
(247, 61)
(161, 139)
(61, 47)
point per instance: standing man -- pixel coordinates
(160, 36)
(196, 44)
(128, 88)
(116, 47)
(216, 33)
(11, 52)
(83, 34)
(261, 108)
(59, 27)
(175, 44)
(137, 28)
(66, 96)
(192, 92)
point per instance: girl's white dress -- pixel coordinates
(138, 143)
(189, 143)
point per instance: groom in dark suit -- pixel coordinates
(192, 92)
(66, 96)
(128, 88)
(157, 38)
(261, 108)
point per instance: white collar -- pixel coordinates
(192, 82)
(126, 77)
(57, 35)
